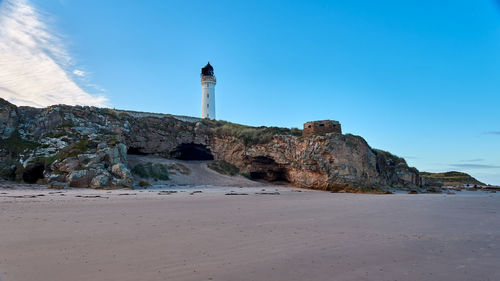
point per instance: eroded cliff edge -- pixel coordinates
(88, 147)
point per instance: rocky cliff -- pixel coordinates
(88, 147)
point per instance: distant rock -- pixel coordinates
(449, 179)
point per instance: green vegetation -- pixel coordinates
(391, 158)
(296, 132)
(15, 144)
(250, 135)
(451, 178)
(113, 113)
(183, 169)
(66, 125)
(151, 171)
(56, 135)
(74, 149)
(6, 170)
(49, 160)
(80, 147)
(248, 176)
(223, 167)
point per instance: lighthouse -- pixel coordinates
(208, 92)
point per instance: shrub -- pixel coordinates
(296, 132)
(183, 169)
(389, 158)
(224, 167)
(140, 170)
(72, 150)
(251, 135)
(248, 176)
(151, 171)
(159, 172)
(15, 144)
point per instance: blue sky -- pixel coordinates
(417, 78)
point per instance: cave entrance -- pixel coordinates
(33, 173)
(270, 175)
(265, 168)
(192, 151)
(135, 151)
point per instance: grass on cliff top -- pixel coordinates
(223, 167)
(389, 156)
(451, 178)
(393, 159)
(250, 135)
(151, 171)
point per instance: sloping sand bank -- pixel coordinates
(190, 173)
(289, 235)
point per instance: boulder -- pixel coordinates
(121, 171)
(122, 183)
(80, 178)
(58, 185)
(68, 165)
(100, 181)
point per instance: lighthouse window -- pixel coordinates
(207, 104)
(208, 95)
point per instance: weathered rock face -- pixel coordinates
(330, 162)
(8, 119)
(88, 146)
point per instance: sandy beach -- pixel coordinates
(271, 233)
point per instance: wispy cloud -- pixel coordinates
(79, 73)
(475, 166)
(492, 133)
(35, 68)
(473, 160)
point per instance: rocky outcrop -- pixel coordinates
(452, 178)
(8, 119)
(87, 147)
(330, 162)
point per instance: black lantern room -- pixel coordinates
(208, 70)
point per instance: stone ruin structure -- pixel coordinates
(321, 127)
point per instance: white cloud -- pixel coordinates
(34, 63)
(79, 73)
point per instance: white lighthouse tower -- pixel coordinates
(208, 93)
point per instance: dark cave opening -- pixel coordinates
(270, 175)
(192, 151)
(33, 173)
(265, 168)
(135, 151)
